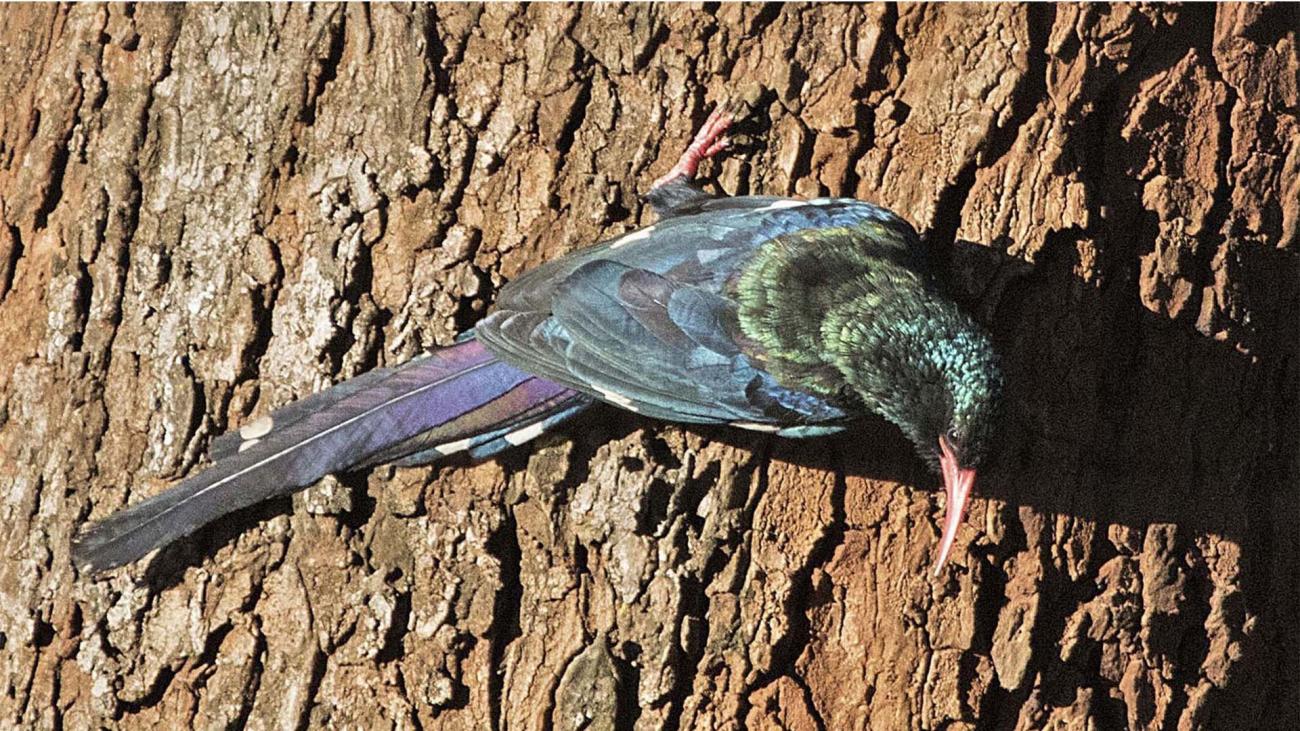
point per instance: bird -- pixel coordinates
(783, 315)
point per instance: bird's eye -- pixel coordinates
(952, 436)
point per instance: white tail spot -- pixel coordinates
(460, 445)
(257, 428)
(617, 399)
(634, 236)
(527, 434)
(783, 203)
(755, 426)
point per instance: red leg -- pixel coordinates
(709, 141)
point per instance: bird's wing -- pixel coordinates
(646, 320)
(648, 324)
(653, 345)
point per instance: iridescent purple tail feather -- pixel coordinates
(458, 399)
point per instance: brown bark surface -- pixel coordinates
(206, 211)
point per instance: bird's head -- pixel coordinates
(932, 371)
(850, 312)
(972, 385)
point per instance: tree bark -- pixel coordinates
(207, 211)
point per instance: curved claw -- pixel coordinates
(709, 141)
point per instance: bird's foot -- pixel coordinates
(709, 141)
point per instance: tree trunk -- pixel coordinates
(210, 210)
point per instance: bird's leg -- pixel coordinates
(673, 194)
(709, 141)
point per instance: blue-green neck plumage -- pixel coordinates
(851, 313)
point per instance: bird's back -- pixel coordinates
(708, 244)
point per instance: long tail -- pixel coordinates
(456, 399)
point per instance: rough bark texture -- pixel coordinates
(207, 211)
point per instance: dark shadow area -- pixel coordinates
(167, 568)
(1132, 420)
